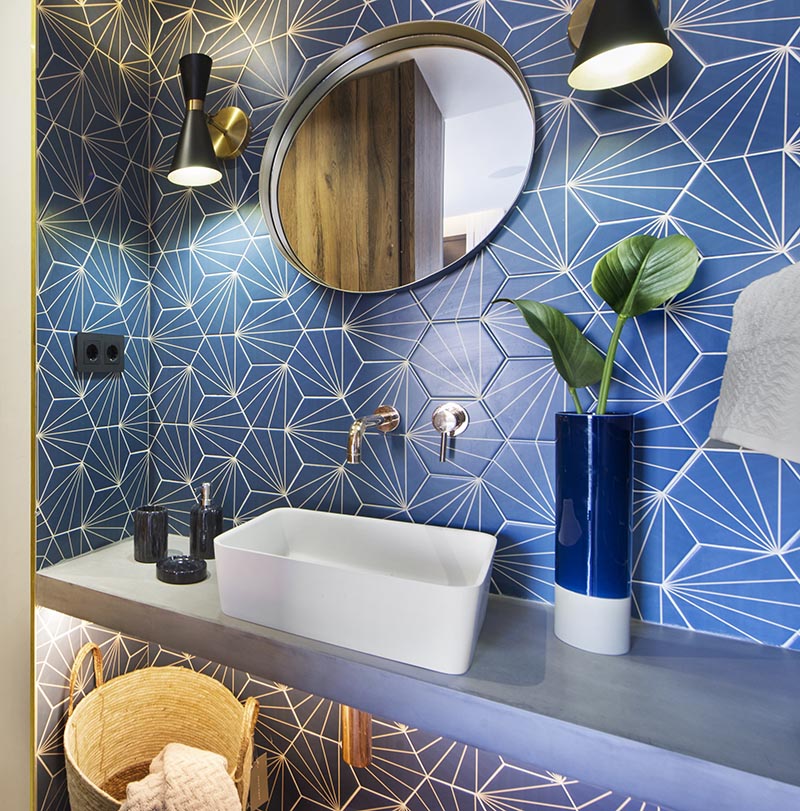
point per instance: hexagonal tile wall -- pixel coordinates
(411, 769)
(242, 372)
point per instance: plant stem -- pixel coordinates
(575, 399)
(608, 366)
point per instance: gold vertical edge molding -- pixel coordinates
(356, 737)
(34, 39)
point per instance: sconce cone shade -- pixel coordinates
(195, 163)
(624, 41)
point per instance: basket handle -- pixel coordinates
(97, 661)
(250, 716)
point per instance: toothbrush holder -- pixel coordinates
(150, 528)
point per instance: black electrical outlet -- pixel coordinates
(98, 352)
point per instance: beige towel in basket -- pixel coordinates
(183, 778)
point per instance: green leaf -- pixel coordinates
(575, 359)
(642, 272)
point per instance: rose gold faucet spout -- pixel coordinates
(385, 419)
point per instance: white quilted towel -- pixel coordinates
(759, 404)
(183, 778)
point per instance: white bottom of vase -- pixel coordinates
(595, 624)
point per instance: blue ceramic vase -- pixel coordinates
(594, 490)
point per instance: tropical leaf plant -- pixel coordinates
(635, 276)
(575, 359)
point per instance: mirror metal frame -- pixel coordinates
(338, 68)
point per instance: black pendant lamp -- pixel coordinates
(205, 139)
(624, 41)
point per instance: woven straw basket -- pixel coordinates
(117, 729)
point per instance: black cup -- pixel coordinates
(150, 533)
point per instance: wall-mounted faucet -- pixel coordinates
(386, 418)
(449, 420)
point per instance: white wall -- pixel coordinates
(487, 153)
(16, 348)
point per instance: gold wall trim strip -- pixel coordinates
(34, 33)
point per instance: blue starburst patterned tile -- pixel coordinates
(524, 562)
(520, 481)
(242, 370)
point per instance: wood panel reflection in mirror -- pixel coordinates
(366, 172)
(398, 157)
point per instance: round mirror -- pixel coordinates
(398, 157)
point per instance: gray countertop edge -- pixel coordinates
(527, 696)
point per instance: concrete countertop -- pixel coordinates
(687, 720)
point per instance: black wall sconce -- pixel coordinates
(617, 42)
(205, 139)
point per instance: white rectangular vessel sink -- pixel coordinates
(413, 593)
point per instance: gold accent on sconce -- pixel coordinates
(194, 104)
(230, 131)
(356, 737)
(577, 22)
